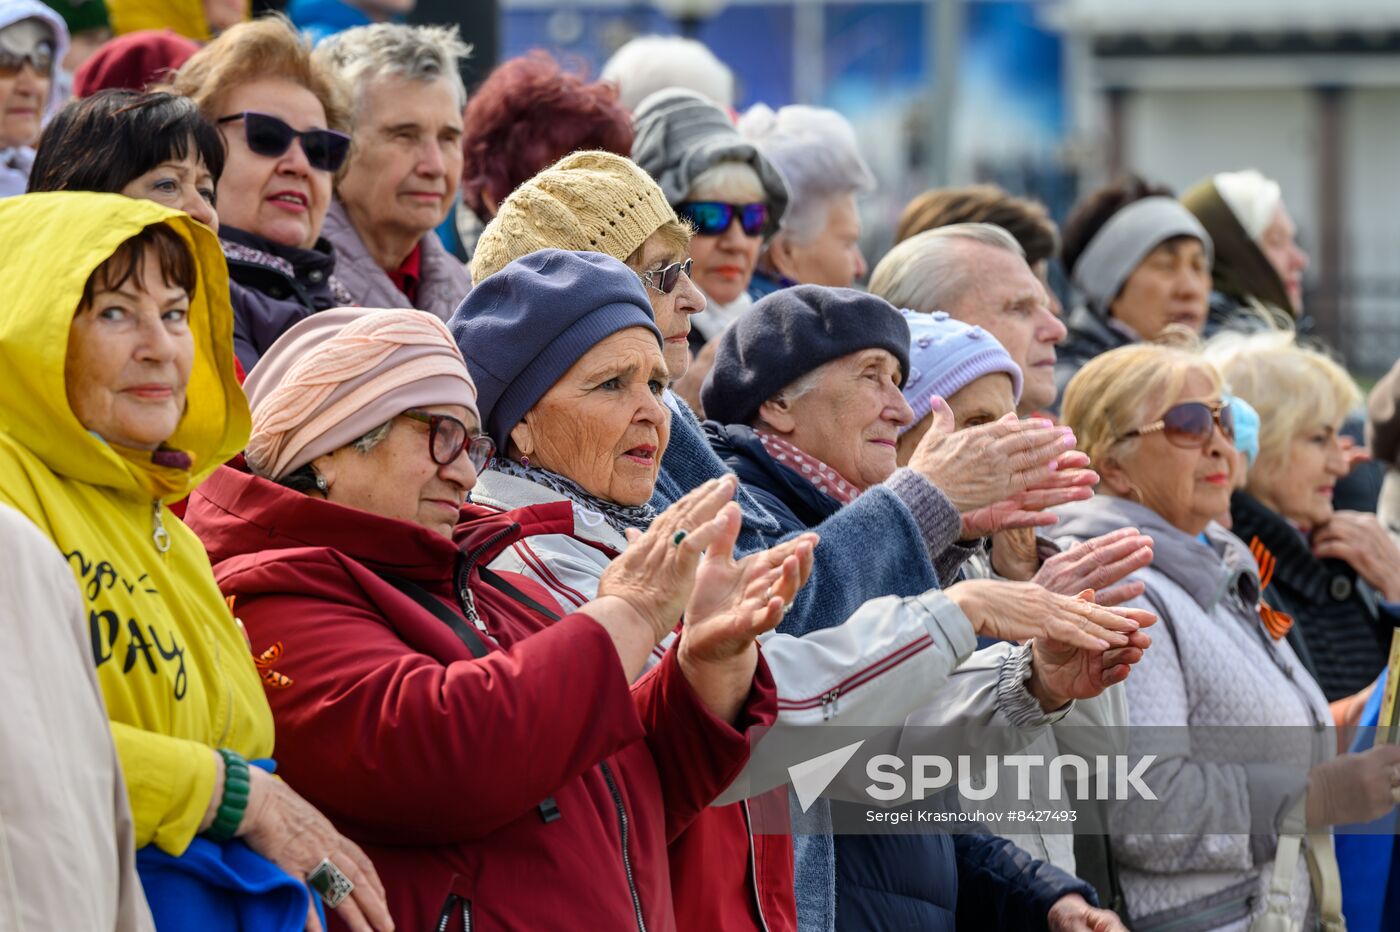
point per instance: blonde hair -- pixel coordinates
(265, 48)
(1295, 389)
(1123, 389)
(733, 182)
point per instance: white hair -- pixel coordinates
(796, 388)
(417, 53)
(929, 272)
(648, 64)
(729, 181)
(816, 151)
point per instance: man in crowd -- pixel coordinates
(404, 167)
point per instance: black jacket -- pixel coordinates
(1341, 630)
(929, 882)
(266, 300)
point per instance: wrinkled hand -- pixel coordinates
(1354, 788)
(287, 830)
(1359, 540)
(1009, 464)
(1019, 611)
(1072, 481)
(1060, 671)
(654, 575)
(1097, 564)
(1072, 913)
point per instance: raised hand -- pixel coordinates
(1098, 564)
(1061, 671)
(1359, 540)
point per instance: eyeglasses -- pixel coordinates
(666, 279)
(711, 218)
(266, 135)
(448, 437)
(1190, 425)
(40, 58)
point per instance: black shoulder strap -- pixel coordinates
(425, 599)
(498, 582)
(549, 809)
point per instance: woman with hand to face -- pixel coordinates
(122, 400)
(284, 121)
(1160, 432)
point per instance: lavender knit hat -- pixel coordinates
(946, 355)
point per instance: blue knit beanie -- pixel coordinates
(947, 355)
(522, 328)
(786, 335)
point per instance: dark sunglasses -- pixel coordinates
(1191, 424)
(40, 58)
(448, 437)
(666, 279)
(268, 136)
(711, 218)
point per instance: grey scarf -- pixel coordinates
(619, 517)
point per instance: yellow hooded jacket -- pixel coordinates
(174, 667)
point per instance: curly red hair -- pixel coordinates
(527, 115)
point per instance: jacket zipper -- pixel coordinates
(753, 859)
(626, 858)
(449, 907)
(464, 573)
(158, 532)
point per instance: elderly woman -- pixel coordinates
(1141, 261)
(1154, 421)
(122, 399)
(818, 238)
(830, 363)
(339, 553)
(722, 185)
(284, 120)
(1335, 573)
(1258, 268)
(153, 146)
(401, 178)
(33, 40)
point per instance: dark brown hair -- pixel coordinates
(176, 264)
(1026, 220)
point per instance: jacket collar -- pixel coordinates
(442, 284)
(512, 493)
(1208, 570)
(292, 261)
(740, 447)
(1295, 564)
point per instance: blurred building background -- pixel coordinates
(1050, 97)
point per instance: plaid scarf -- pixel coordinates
(620, 517)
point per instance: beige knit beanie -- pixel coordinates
(585, 202)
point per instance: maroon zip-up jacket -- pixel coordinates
(437, 763)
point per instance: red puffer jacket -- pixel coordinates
(439, 764)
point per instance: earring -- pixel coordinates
(322, 485)
(525, 461)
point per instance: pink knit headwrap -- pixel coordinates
(340, 373)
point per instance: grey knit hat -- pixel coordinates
(680, 134)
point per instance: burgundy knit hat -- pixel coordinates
(135, 61)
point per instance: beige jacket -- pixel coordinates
(66, 844)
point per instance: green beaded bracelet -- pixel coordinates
(235, 800)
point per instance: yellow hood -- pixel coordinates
(49, 245)
(184, 16)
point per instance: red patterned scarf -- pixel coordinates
(827, 480)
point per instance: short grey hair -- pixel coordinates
(815, 149)
(928, 272)
(648, 64)
(797, 388)
(417, 53)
